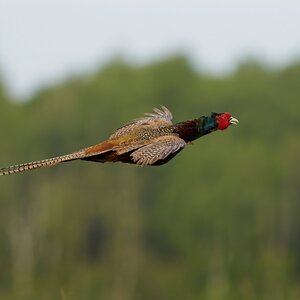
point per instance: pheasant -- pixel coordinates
(150, 140)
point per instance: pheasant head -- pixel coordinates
(216, 121)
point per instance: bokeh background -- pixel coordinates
(220, 221)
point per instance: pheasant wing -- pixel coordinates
(160, 117)
(159, 149)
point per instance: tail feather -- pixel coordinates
(41, 163)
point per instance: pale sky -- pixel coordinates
(42, 41)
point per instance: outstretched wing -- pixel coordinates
(160, 117)
(159, 149)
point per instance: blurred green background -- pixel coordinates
(220, 221)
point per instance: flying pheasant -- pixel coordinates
(151, 140)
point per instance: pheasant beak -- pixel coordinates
(233, 121)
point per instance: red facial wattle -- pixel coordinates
(223, 120)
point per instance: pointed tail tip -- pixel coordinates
(3, 172)
(18, 169)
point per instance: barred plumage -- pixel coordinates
(158, 149)
(40, 163)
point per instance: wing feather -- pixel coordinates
(160, 117)
(159, 149)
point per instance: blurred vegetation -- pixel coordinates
(220, 221)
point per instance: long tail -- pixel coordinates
(41, 163)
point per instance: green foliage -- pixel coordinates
(220, 221)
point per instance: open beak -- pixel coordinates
(233, 121)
